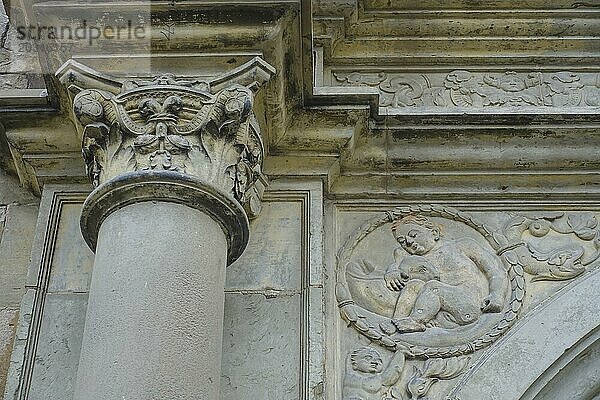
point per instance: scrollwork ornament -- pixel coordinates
(558, 262)
(173, 125)
(470, 89)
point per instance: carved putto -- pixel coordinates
(367, 375)
(453, 287)
(200, 128)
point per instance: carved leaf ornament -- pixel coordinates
(466, 89)
(434, 370)
(169, 124)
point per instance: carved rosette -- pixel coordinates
(200, 132)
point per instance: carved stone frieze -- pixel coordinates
(454, 286)
(466, 89)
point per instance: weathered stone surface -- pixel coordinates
(552, 330)
(72, 260)
(206, 129)
(154, 317)
(487, 106)
(12, 192)
(21, 340)
(2, 220)
(270, 262)
(579, 378)
(8, 325)
(452, 285)
(261, 347)
(58, 346)
(316, 343)
(15, 251)
(282, 210)
(17, 55)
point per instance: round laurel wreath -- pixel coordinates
(350, 312)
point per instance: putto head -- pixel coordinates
(367, 360)
(417, 234)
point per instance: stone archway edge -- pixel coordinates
(509, 368)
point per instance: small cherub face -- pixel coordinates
(367, 360)
(512, 83)
(417, 267)
(416, 239)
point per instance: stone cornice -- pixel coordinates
(394, 55)
(426, 118)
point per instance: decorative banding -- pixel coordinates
(167, 186)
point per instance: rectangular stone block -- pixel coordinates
(316, 343)
(72, 261)
(261, 347)
(15, 251)
(8, 321)
(58, 347)
(17, 358)
(273, 258)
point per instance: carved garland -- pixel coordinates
(467, 89)
(351, 313)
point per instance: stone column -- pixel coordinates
(177, 170)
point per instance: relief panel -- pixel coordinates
(478, 90)
(423, 290)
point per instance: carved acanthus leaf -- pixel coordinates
(433, 370)
(175, 125)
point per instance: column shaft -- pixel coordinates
(154, 323)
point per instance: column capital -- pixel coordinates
(199, 137)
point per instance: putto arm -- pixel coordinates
(394, 369)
